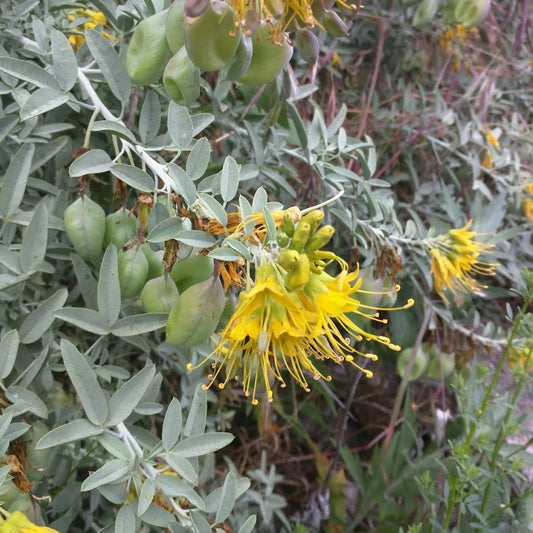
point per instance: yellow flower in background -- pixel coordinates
(521, 354)
(527, 202)
(455, 261)
(295, 314)
(97, 17)
(491, 138)
(16, 522)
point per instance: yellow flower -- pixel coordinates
(491, 138)
(527, 206)
(521, 354)
(487, 160)
(455, 261)
(18, 523)
(274, 329)
(97, 18)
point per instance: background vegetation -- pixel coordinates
(423, 123)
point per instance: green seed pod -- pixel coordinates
(441, 364)
(308, 45)
(268, 58)
(288, 259)
(148, 52)
(319, 239)
(191, 271)
(132, 271)
(85, 226)
(37, 460)
(241, 60)
(182, 78)
(425, 12)
(300, 275)
(420, 364)
(159, 295)
(155, 260)
(471, 12)
(195, 316)
(301, 236)
(211, 39)
(174, 26)
(194, 8)
(119, 228)
(314, 219)
(333, 24)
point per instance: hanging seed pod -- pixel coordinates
(192, 270)
(211, 38)
(155, 260)
(241, 60)
(174, 26)
(120, 228)
(85, 225)
(159, 295)
(132, 271)
(333, 24)
(182, 78)
(308, 45)
(268, 58)
(148, 52)
(195, 316)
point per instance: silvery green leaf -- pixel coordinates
(33, 248)
(92, 162)
(202, 444)
(227, 498)
(195, 238)
(257, 143)
(125, 522)
(87, 319)
(150, 119)
(114, 446)
(8, 348)
(157, 516)
(15, 179)
(197, 417)
(41, 318)
(172, 423)
(28, 400)
(259, 200)
(28, 71)
(184, 185)
(183, 467)
(114, 127)
(198, 159)
(179, 125)
(64, 61)
(148, 408)
(229, 179)
(239, 247)
(7, 124)
(108, 292)
(137, 324)
(174, 487)
(224, 254)
(110, 472)
(249, 525)
(110, 64)
(338, 121)
(213, 208)
(116, 493)
(45, 152)
(146, 496)
(130, 393)
(246, 215)
(76, 430)
(5, 421)
(200, 524)
(133, 176)
(84, 380)
(200, 121)
(166, 229)
(41, 101)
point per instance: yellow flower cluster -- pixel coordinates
(16, 522)
(295, 314)
(281, 15)
(453, 42)
(456, 260)
(521, 354)
(97, 17)
(527, 203)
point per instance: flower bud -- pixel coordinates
(288, 259)
(300, 275)
(301, 236)
(287, 224)
(313, 218)
(319, 239)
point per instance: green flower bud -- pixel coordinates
(319, 239)
(308, 45)
(288, 259)
(301, 236)
(333, 24)
(300, 275)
